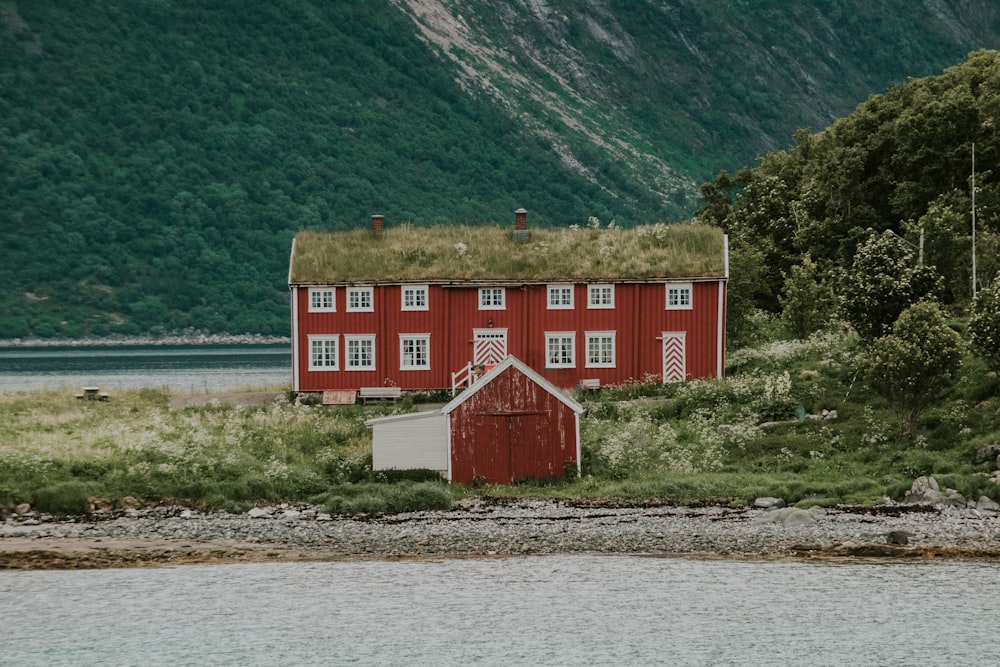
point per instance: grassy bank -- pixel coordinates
(760, 432)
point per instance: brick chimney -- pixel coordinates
(377, 223)
(521, 225)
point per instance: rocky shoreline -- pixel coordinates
(176, 535)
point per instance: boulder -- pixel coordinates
(23, 508)
(898, 537)
(953, 498)
(925, 490)
(988, 453)
(129, 503)
(768, 503)
(789, 516)
(987, 504)
(258, 512)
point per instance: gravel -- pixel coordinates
(165, 535)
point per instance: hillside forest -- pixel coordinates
(157, 158)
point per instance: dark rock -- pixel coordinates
(988, 453)
(898, 537)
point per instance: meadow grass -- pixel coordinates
(713, 441)
(408, 253)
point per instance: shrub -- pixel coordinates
(372, 498)
(916, 363)
(67, 497)
(984, 324)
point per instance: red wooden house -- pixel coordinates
(428, 308)
(511, 424)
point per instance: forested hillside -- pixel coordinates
(897, 174)
(157, 157)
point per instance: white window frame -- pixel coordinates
(559, 338)
(359, 338)
(492, 303)
(597, 336)
(595, 296)
(316, 300)
(560, 296)
(677, 301)
(333, 360)
(361, 293)
(417, 291)
(425, 339)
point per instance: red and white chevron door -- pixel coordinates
(674, 367)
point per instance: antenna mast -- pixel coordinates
(973, 219)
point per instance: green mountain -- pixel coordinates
(157, 157)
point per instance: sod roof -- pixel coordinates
(490, 253)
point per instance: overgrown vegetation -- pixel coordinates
(159, 157)
(409, 253)
(880, 201)
(794, 419)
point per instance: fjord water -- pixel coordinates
(542, 610)
(184, 368)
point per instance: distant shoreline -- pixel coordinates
(122, 341)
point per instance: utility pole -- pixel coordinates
(973, 219)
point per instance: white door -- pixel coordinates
(674, 365)
(489, 346)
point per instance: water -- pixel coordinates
(551, 610)
(183, 368)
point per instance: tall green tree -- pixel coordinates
(807, 299)
(884, 279)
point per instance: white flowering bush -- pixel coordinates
(884, 280)
(984, 324)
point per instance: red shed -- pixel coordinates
(511, 424)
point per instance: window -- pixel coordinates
(415, 297)
(491, 298)
(322, 299)
(360, 353)
(600, 296)
(559, 350)
(323, 353)
(414, 352)
(560, 297)
(359, 299)
(678, 296)
(600, 349)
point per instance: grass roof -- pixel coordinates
(462, 253)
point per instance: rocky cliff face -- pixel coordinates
(672, 86)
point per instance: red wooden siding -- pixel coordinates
(639, 320)
(511, 429)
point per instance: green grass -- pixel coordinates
(690, 443)
(411, 253)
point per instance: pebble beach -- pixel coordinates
(175, 535)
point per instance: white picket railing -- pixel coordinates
(464, 376)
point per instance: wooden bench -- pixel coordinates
(93, 394)
(590, 383)
(368, 394)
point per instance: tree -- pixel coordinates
(984, 324)
(884, 280)
(746, 288)
(915, 363)
(807, 300)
